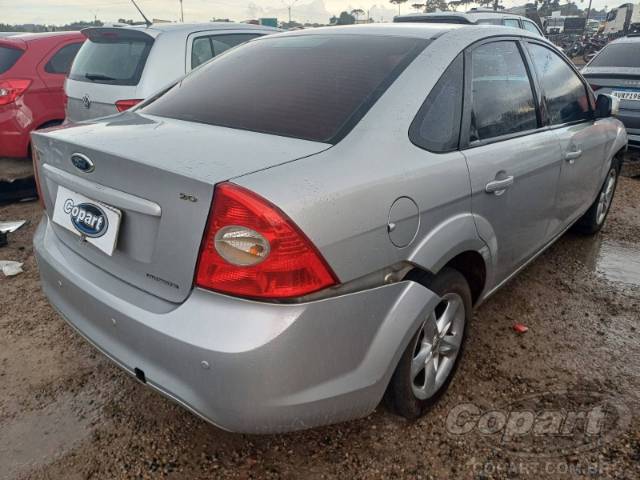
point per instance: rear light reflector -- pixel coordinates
(11, 90)
(252, 249)
(123, 105)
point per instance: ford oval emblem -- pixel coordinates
(82, 163)
(89, 219)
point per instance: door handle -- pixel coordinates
(571, 156)
(498, 187)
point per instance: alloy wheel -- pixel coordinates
(606, 195)
(437, 346)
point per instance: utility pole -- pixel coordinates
(586, 22)
(290, 5)
(181, 12)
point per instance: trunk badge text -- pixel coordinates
(82, 163)
(188, 197)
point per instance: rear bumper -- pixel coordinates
(15, 128)
(244, 366)
(631, 121)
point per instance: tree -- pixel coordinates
(398, 2)
(345, 18)
(435, 5)
(357, 12)
(419, 6)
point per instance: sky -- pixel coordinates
(67, 11)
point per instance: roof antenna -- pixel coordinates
(146, 20)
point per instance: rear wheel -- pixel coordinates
(593, 220)
(431, 358)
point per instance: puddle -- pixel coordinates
(618, 262)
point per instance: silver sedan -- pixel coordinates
(305, 223)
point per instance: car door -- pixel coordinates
(203, 46)
(53, 70)
(569, 111)
(513, 160)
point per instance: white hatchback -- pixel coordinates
(120, 66)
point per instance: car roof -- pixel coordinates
(32, 37)
(628, 39)
(468, 17)
(427, 31)
(186, 28)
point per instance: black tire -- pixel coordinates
(593, 220)
(400, 393)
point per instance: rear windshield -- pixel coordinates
(8, 57)
(313, 87)
(618, 55)
(114, 62)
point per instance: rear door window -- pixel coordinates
(111, 60)
(61, 61)
(205, 48)
(530, 26)
(314, 87)
(511, 22)
(565, 94)
(8, 57)
(502, 100)
(618, 55)
(437, 126)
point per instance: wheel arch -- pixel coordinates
(455, 243)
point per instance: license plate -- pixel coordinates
(95, 222)
(626, 95)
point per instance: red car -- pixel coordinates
(33, 68)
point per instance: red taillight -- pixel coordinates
(252, 249)
(10, 90)
(123, 105)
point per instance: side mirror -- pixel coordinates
(607, 106)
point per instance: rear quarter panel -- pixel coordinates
(341, 198)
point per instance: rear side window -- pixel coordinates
(313, 87)
(8, 57)
(114, 62)
(62, 60)
(437, 126)
(565, 94)
(502, 97)
(205, 48)
(511, 22)
(530, 26)
(618, 55)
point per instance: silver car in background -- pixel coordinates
(306, 222)
(615, 70)
(119, 67)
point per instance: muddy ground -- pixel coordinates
(67, 413)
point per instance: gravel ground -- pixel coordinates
(67, 413)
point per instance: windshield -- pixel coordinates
(313, 87)
(117, 62)
(8, 57)
(618, 55)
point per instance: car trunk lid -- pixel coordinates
(616, 79)
(160, 174)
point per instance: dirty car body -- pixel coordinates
(344, 153)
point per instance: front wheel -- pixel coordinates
(431, 358)
(593, 220)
